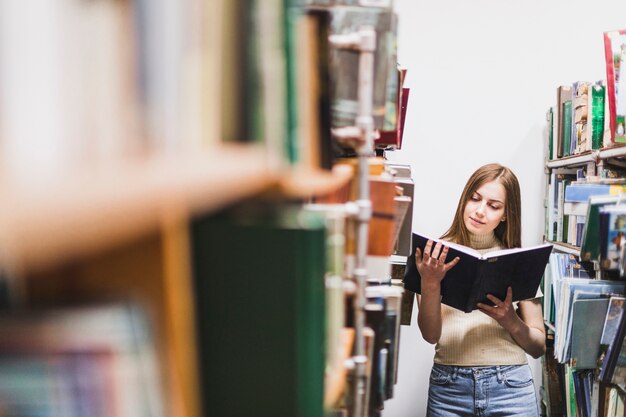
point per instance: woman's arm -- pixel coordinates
(526, 327)
(432, 269)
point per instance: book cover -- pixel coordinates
(590, 243)
(587, 320)
(475, 276)
(614, 364)
(611, 324)
(571, 290)
(261, 310)
(563, 94)
(612, 223)
(580, 100)
(615, 56)
(375, 320)
(402, 178)
(567, 127)
(595, 114)
(580, 192)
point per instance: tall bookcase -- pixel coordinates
(563, 394)
(121, 149)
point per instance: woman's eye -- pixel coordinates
(494, 206)
(474, 198)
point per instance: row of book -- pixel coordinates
(584, 364)
(568, 193)
(570, 393)
(270, 284)
(137, 77)
(591, 115)
(97, 360)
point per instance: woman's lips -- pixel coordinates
(478, 222)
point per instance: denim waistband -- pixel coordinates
(477, 370)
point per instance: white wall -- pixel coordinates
(482, 75)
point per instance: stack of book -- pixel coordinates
(98, 360)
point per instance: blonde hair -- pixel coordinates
(509, 232)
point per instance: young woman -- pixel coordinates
(480, 366)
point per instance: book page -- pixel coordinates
(460, 248)
(501, 252)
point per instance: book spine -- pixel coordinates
(567, 127)
(610, 83)
(596, 113)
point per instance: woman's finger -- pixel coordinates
(494, 299)
(450, 264)
(443, 255)
(509, 296)
(436, 251)
(428, 248)
(418, 256)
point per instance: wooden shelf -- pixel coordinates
(564, 247)
(575, 160)
(618, 151)
(46, 223)
(304, 183)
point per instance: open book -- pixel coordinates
(476, 275)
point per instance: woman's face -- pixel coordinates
(485, 209)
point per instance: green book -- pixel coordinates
(566, 128)
(590, 244)
(596, 99)
(260, 303)
(587, 321)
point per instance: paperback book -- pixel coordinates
(468, 282)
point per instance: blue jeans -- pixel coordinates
(492, 391)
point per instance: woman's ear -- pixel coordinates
(503, 219)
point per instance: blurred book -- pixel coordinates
(93, 360)
(259, 273)
(614, 365)
(615, 59)
(610, 326)
(345, 63)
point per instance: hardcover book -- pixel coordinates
(476, 275)
(615, 56)
(611, 323)
(563, 95)
(614, 365)
(587, 320)
(595, 114)
(580, 100)
(612, 221)
(590, 244)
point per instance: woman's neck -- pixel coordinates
(485, 241)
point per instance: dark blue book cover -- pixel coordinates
(476, 275)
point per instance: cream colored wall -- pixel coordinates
(482, 75)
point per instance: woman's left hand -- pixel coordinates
(502, 311)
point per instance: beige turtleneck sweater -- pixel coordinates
(475, 339)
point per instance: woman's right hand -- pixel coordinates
(432, 264)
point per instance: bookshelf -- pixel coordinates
(138, 152)
(88, 212)
(589, 158)
(577, 368)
